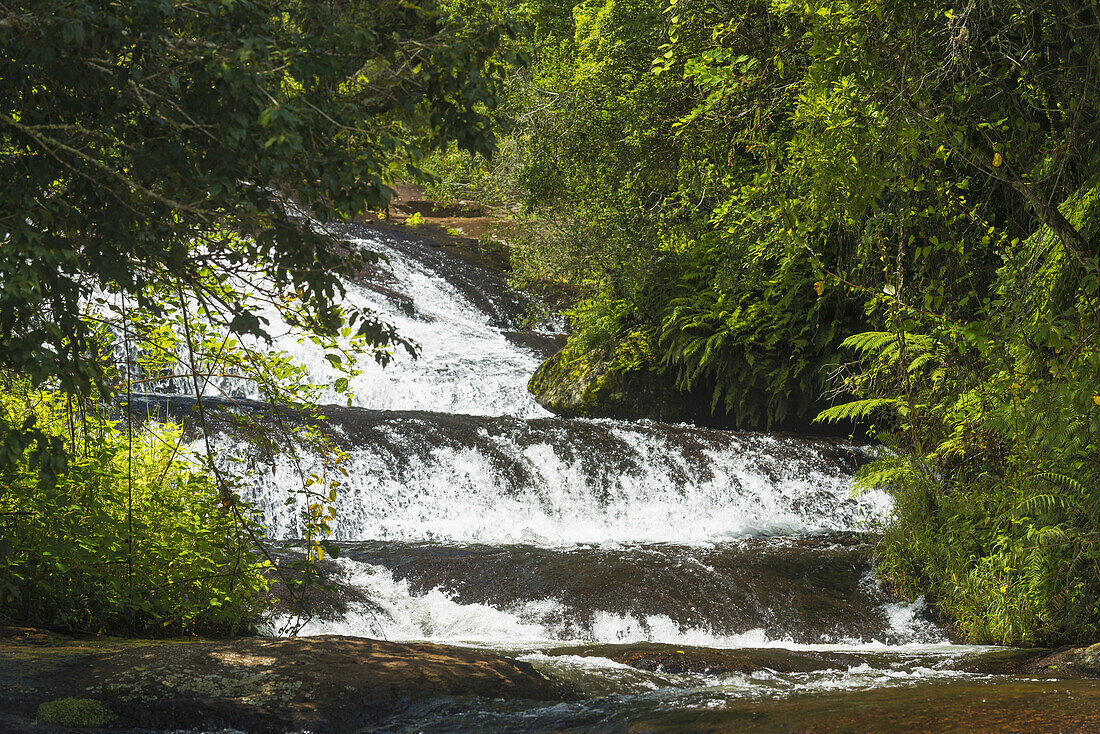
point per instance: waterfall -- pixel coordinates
(444, 478)
(468, 515)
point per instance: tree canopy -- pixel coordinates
(168, 144)
(170, 168)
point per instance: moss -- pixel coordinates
(620, 381)
(74, 712)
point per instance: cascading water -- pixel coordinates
(469, 516)
(466, 365)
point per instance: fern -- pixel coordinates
(885, 473)
(1044, 504)
(1062, 481)
(869, 342)
(859, 409)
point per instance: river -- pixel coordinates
(680, 577)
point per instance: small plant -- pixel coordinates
(74, 712)
(415, 220)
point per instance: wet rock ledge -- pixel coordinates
(320, 684)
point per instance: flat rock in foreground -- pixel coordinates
(326, 683)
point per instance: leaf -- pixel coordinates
(860, 409)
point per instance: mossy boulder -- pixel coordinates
(623, 381)
(617, 381)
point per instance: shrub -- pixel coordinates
(131, 536)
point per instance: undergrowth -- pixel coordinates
(131, 536)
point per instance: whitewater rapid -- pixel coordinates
(466, 514)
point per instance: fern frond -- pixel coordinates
(1061, 481)
(882, 475)
(860, 409)
(1044, 504)
(920, 361)
(869, 342)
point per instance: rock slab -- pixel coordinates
(321, 684)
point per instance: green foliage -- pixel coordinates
(133, 537)
(630, 138)
(1013, 564)
(133, 132)
(887, 204)
(171, 172)
(74, 712)
(1002, 525)
(760, 343)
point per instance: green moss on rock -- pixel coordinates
(616, 382)
(74, 712)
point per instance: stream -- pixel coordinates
(731, 571)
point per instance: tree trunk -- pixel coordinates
(1074, 242)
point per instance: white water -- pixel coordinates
(435, 615)
(626, 483)
(466, 365)
(686, 689)
(415, 478)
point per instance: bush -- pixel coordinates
(995, 425)
(131, 536)
(1006, 570)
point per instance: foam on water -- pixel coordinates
(466, 365)
(553, 484)
(704, 690)
(399, 614)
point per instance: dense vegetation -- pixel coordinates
(133, 536)
(880, 210)
(169, 169)
(888, 207)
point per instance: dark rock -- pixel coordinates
(679, 659)
(314, 592)
(1003, 661)
(428, 208)
(1081, 662)
(541, 343)
(1076, 662)
(404, 303)
(322, 684)
(624, 382)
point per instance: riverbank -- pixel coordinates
(466, 228)
(327, 683)
(333, 683)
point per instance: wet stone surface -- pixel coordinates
(257, 685)
(999, 707)
(799, 589)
